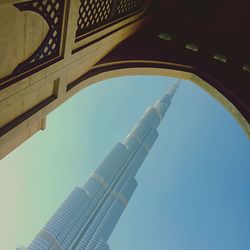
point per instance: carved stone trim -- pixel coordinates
(21, 118)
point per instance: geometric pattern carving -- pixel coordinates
(52, 12)
(125, 7)
(94, 14)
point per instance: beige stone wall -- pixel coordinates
(16, 137)
(22, 35)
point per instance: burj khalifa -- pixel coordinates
(88, 216)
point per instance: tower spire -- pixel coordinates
(164, 102)
(169, 95)
(172, 91)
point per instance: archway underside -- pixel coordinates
(203, 43)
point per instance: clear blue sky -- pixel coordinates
(193, 188)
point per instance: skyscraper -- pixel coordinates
(88, 216)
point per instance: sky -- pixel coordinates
(193, 188)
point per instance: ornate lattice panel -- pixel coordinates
(125, 7)
(49, 51)
(92, 14)
(95, 14)
(52, 12)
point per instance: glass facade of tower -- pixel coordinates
(88, 216)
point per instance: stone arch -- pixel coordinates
(132, 68)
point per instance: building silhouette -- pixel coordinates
(88, 216)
